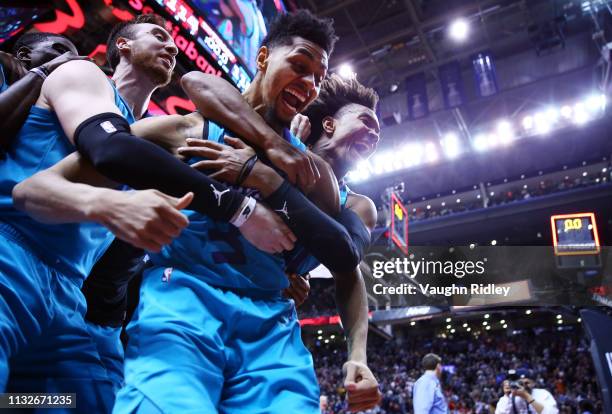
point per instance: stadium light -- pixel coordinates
(488, 328)
(528, 312)
(468, 329)
(505, 326)
(542, 123)
(480, 142)
(459, 29)
(450, 145)
(595, 102)
(485, 323)
(319, 331)
(346, 71)
(333, 336)
(412, 323)
(502, 321)
(528, 122)
(431, 153)
(487, 316)
(453, 330)
(580, 115)
(566, 111)
(493, 242)
(504, 132)
(465, 325)
(448, 326)
(448, 319)
(559, 316)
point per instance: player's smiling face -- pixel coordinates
(351, 135)
(292, 76)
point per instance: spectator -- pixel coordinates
(428, 397)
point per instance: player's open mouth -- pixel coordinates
(169, 62)
(294, 99)
(363, 149)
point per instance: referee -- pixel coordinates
(427, 395)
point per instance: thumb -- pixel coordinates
(235, 142)
(184, 201)
(349, 379)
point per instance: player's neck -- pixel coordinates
(330, 156)
(254, 96)
(135, 87)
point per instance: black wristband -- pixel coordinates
(246, 169)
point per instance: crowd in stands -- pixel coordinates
(509, 195)
(474, 368)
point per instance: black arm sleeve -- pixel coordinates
(325, 238)
(105, 140)
(360, 235)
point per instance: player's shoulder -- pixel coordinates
(77, 71)
(81, 75)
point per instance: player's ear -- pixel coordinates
(329, 125)
(24, 54)
(123, 45)
(262, 58)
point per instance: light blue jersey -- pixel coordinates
(71, 248)
(212, 332)
(45, 343)
(217, 253)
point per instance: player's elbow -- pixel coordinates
(344, 256)
(21, 194)
(196, 84)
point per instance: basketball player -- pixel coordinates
(345, 130)
(35, 56)
(42, 266)
(211, 323)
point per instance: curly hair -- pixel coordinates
(125, 29)
(304, 24)
(334, 95)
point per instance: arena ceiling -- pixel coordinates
(387, 40)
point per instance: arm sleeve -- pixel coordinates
(325, 238)
(106, 141)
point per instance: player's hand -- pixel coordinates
(225, 160)
(298, 165)
(61, 59)
(298, 289)
(266, 231)
(300, 127)
(147, 219)
(361, 386)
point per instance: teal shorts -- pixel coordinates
(194, 348)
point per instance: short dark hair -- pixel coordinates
(304, 24)
(335, 94)
(31, 38)
(431, 361)
(125, 29)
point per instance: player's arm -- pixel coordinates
(71, 191)
(352, 304)
(16, 101)
(229, 161)
(220, 101)
(338, 247)
(83, 100)
(170, 131)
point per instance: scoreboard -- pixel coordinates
(575, 234)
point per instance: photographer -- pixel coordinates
(520, 397)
